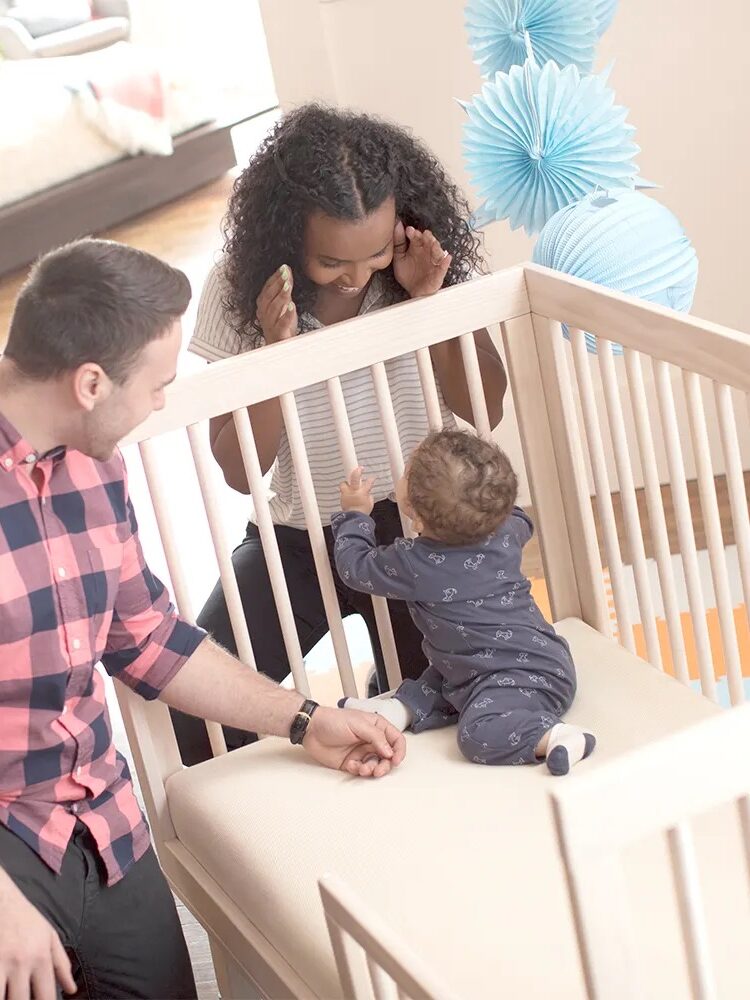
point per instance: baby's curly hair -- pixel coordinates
(345, 164)
(461, 486)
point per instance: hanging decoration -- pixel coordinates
(604, 13)
(565, 31)
(538, 139)
(626, 241)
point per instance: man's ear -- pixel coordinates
(91, 386)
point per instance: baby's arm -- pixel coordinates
(384, 571)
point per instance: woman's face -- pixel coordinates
(341, 256)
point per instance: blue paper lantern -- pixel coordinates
(565, 31)
(604, 12)
(626, 241)
(538, 139)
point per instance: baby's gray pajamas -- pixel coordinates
(497, 668)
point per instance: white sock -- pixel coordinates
(395, 711)
(567, 745)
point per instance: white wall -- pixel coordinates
(222, 42)
(680, 68)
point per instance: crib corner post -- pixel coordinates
(557, 477)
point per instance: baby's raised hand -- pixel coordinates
(356, 492)
(419, 262)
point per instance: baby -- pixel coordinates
(496, 667)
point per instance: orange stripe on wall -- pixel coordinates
(742, 627)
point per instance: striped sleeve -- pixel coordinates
(213, 338)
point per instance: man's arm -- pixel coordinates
(159, 655)
(214, 685)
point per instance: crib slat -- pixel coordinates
(601, 484)
(736, 484)
(383, 987)
(390, 431)
(317, 542)
(429, 389)
(174, 563)
(692, 914)
(656, 516)
(681, 501)
(349, 458)
(254, 473)
(204, 468)
(743, 809)
(633, 528)
(714, 539)
(474, 382)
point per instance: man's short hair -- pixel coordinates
(93, 301)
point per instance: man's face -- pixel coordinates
(131, 402)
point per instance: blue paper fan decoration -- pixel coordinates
(538, 139)
(604, 12)
(626, 241)
(563, 30)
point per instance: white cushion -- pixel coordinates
(461, 858)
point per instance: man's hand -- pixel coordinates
(356, 493)
(359, 743)
(32, 959)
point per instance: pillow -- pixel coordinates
(42, 17)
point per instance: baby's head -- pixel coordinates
(457, 488)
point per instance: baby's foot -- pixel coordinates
(395, 711)
(567, 746)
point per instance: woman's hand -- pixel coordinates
(419, 262)
(356, 493)
(277, 314)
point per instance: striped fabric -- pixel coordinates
(74, 590)
(214, 339)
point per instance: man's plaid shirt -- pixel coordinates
(74, 591)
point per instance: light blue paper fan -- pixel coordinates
(538, 139)
(626, 241)
(563, 30)
(604, 12)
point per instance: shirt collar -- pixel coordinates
(15, 451)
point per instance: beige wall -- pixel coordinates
(680, 68)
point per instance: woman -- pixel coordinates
(336, 215)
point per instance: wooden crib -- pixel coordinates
(464, 860)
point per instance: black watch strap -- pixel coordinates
(301, 721)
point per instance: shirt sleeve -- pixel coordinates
(523, 524)
(214, 338)
(148, 642)
(384, 571)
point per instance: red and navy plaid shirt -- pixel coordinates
(74, 591)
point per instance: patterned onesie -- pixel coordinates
(496, 667)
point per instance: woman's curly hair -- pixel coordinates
(344, 164)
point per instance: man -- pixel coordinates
(93, 344)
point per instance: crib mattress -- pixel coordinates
(461, 859)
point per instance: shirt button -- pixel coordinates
(76, 644)
(62, 572)
(29, 459)
(8, 463)
(74, 808)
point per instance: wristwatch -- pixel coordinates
(301, 721)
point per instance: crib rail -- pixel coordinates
(589, 427)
